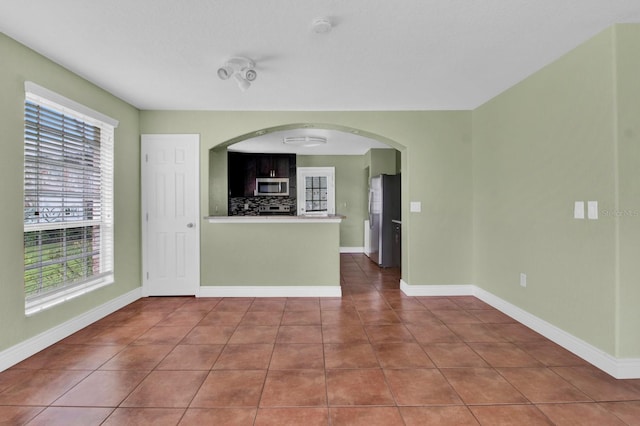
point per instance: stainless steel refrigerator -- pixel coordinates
(384, 206)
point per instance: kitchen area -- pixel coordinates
(261, 184)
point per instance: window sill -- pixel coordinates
(43, 303)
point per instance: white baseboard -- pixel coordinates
(270, 291)
(351, 249)
(436, 290)
(29, 347)
(620, 368)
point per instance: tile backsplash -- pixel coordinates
(248, 206)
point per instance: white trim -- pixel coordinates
(31, 87)
(620, 368)
(274, 219)
(437, 290)
(351, 249)
(270, 291)
(29, 347)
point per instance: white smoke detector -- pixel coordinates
(321, 25)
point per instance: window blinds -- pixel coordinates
(68, 198)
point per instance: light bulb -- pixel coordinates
(250, 75)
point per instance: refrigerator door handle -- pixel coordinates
(370, 206)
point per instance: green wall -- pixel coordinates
(20, 64)
(627, 213)
(436, 164)
(351, 193)
(218, 182)
(297, 254)
(542, 145)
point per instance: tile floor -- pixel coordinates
(372, 357)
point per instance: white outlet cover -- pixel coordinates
(415, 207)
(592, 209)
(578, 210)
(523, 280)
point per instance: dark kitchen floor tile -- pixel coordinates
(432, 333)
(628, 411)
(71, 416)
(254, 318)
(245, 357)
(230, 388)
(191, 357)
(391, 333)
(308, 317)
(291, 388)
(541, 385)
(350, 333)
(350, 355)
(504, 355)
(219, 416)
(579, 414)
(421, 387)
(292, 417)
(102, 389)
(297, 356)
(42, 387)
(365, 416)
(599, 385)
(482, 386)
(165, 335)
(402, 355)
(299, 334)
(145, 417)
(551, 354)
(18, 415)
(453, 355)
(71, 357)
(209, 335)
(254, 334)
(142, 357)
(528, 415)
(358, 387)
(438, 416)
(169, 389)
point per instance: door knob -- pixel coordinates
(190, 225)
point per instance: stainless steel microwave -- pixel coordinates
(272, 186)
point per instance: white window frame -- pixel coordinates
(44, 97)
(301, 174)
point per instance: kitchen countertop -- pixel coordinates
(276, 219)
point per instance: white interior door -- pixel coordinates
(316, 191)
(170, 209)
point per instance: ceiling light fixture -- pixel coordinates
(241, 69)
(306, 141)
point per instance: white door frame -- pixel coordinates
(330, 174)
(146, 144)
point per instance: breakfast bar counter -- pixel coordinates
(271, 256)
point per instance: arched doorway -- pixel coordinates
(356, 168)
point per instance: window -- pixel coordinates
(68, 199)
(316, 191)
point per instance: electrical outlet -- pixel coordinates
(523, 280)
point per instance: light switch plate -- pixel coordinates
(415, 207)
(578, 210)
(592, 209)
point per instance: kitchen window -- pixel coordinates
(68, 199)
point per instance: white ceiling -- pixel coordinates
(338, 143)
(380, 55)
